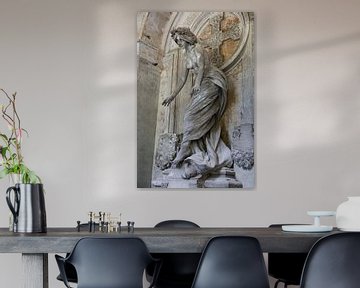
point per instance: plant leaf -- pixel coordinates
(4, 137)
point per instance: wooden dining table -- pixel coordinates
(35, 247)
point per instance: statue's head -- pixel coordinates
(183, 33)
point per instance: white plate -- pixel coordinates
(306, 228)
(321, 213)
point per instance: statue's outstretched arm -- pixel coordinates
(183, 78)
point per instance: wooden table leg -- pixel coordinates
(35, 270)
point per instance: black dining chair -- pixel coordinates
(70, 271)
(108, 263)
(232, 262)
(286, 267)
(178, 269)
(333, 262)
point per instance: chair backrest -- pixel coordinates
(287, 267)
(110, 262)
(178, 269)
(176, 224)
(232, 262)
(333, 262)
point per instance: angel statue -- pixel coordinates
(202, 150)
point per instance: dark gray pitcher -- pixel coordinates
(28, 207)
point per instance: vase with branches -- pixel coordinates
(11, 158)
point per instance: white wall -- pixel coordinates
(73, 64)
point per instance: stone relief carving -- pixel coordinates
(168, 146)
(244, 159)
(243, 150)
(221, 38)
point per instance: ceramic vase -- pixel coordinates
(27, 204)
(348, 214)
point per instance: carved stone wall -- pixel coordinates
(149, 71)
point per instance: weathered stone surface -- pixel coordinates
(228, 48)
(243, 154)
(229, 21)
(219, 30)
(172, 178)
(224, 178)
(147, 90)
(244, 159)
(152, 32)
(166, 150)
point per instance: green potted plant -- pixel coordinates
(26, 198)
(11, 158)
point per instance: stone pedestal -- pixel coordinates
(172, 178)
(224, 178)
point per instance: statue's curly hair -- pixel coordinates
(185, 34)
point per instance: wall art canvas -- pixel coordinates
(195, 100)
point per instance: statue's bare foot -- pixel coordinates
(189, 171)
(176, 163)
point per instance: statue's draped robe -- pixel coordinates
(202, 124)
